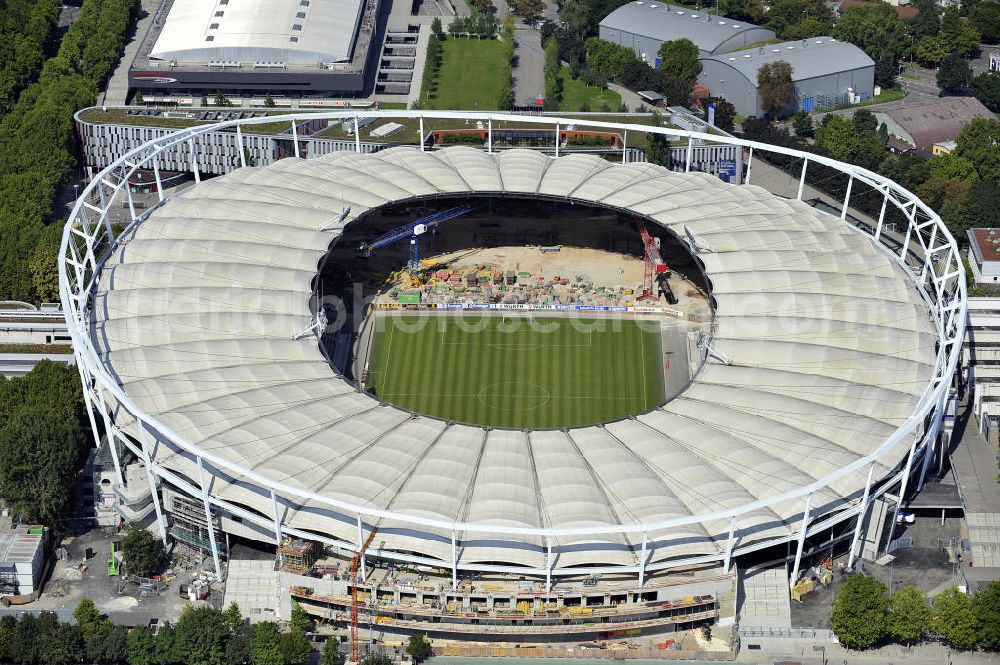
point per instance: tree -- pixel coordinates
(725, 113)
(958, 36)
(875, 28)
(803, 125)
(986, 607)
(39, 452)
(201, 636)
(776, 89)
(166, 641)
(955, 619)
(8, 624)
(419, 648)
(845, 141)
(978, 143)
(63, 646)
(859, 612)
(927, 22)
(221, 100)
(144, 553)
(269, 101)
(377, 658)
(96, 639)
(436, 28)
(679, 58)
(930, 51)
(24, 641)
(864, 121)
(300, 619)
(909, 615)
(799, 19)
(265, 644)
(234, 617)
(985, 18)
(115, 646)
(331, 652)
(553, 81)
(954, 75)
(141, 646)
(295, 647)
(530, 9)
(238, 650)
(952, 167)
(86, 614)
(44, 269)
(659, 146)
(885, 71)
(986, 88)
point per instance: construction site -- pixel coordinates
(488, 253)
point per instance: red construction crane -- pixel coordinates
(656, 270)
(355, 565)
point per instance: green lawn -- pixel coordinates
(471, 76)
(515, 372)
(577, 93)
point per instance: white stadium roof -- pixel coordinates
(300, 32)
(830, 342)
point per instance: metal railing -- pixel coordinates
(927, 253)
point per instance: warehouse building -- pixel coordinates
(643, 26)
(826, 73)
(920, 126)
(254, 47)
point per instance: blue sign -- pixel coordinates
(727, 169)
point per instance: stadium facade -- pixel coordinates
(818, 403)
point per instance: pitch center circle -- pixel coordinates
(494, 396)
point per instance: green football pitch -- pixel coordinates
(515, 371)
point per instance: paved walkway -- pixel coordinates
(529, 75)
(764, 600)
(117, 90)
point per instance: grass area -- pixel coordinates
(577, 93)
(890, 95)
(471, 76)
(908, 75)
(51, 349)
(516, 372)
(393, 106)
(114, 116)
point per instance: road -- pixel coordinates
(529, 75)
(921, 89)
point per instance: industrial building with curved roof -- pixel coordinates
(642, 26)
(827, 342)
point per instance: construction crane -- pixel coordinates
(355, 565)
(656, 271)
(413, 231)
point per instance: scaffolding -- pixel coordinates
(297, 555)
(190, 528)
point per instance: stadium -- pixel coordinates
(777, 376)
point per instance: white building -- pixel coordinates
(22, 557)
(984, 256)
